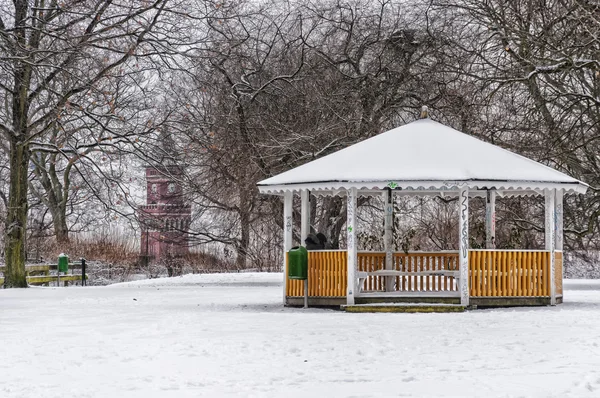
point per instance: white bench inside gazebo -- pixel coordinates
(426, 158)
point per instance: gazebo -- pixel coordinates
(426, 158)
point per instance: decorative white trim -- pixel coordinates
(288, 225)
(351, 226)
(507, 187)
(425, 193)
(463, 246)
(549, 238)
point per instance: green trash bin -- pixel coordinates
(298, 263)
(63, 262)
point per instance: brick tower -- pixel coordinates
(166, 217)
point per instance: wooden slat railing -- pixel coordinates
(370, 262)
(492, 273)
(420, 262)
(509, 273)
(327, 275)
(411, 272)
(558, 273)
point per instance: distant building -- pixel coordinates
(166, 217)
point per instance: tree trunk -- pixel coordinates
(16, 215)
(61, 230)
(242, 248)
(55, 195)
(244, 212)
(16, 219)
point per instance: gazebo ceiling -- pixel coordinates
(422, 155)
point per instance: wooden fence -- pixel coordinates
(371, 262)
(424, 263)
(327, 275)
(415, 272)
(558, 273)
(492, 273)
(507, 273)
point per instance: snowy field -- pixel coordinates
(229, 336)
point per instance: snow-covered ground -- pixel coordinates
(229, 336)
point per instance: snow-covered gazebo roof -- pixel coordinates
(423, 156)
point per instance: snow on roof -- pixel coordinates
(423, 150)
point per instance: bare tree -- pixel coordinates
(281, 85)
(536, 63)
(66, 61)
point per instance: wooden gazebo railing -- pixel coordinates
(327, 275)
(505, 273)
(411, 272)
(492, 273)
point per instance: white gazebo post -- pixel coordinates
(387, 236)
(490, 220)
(305, 230)
(558, 227)
(287, 236)
(558, 234)
(351, 222)
(304, 215)
(549, 195)
(463, 246)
